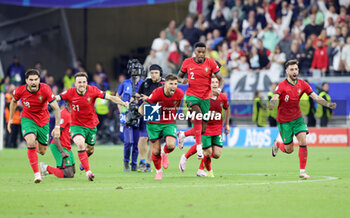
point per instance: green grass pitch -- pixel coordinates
(248, 183)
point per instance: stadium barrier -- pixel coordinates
(264, 137)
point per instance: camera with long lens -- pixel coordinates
(132, 116)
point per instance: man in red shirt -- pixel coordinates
(61, 150)
(199, 71)
(167, 99)
(212, 138)
(289, 119)
(320, 60)
(35, 116)
(84, 119)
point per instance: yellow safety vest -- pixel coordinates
(319, 110)
(102, 105)
(68, 82)
(259, 114)
(271, 113)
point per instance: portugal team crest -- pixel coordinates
(89, 99)
(299, 91)
(40, 98)
(206, 69)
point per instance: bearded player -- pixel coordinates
(35, 117)
(212, 138)
(61, 150)
(84, 119)
(168, 99)
(289, 119)
(199, 71)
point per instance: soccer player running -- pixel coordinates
(199, 71)
(81, 99)
(35, 116)
(61, 150)
(212, 138)
(289, 119)
(169, 98)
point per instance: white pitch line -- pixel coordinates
(322, 179)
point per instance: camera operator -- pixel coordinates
(144, 92)
(131, 132)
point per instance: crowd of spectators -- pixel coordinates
(251, 35)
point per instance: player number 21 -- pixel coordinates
(192, 75)
(75, 107)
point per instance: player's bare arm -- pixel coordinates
(13, 106)
(180, 77)
(119, 106)
(227, 117)
(59, 147)
(141, 108)
(273, 101)
(116, 100)
(322, 101)
(218, 75)
(56, 132)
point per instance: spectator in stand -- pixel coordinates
(225, 11)
(270, 37)
(234, 55)
(233, 34)
(312, 28)
(331, 13)
(171, 31)
(158, 43)
(150, 60)
(197, 7)
(236, 21)
(254, 62)
(343, 16)
(238, 7)
(222, 59)
(50, 80)
(260, 17)
(307, 55)
(298, 28)
(299, 7)
(216, 39)
(202, 24)
(340, 36)
(285, 42)
(68, 79)
(15, 72)
(78, 64)
(43, 72)
(174, 60)
(320, 60)
(319, 18)
(182, 41)
(248, 32)
(100, 71)
(331, 30)
(162, 57)
(220, 23)
(242, 64)
(248, 8)
(294, 52)
(190, 33)
(277, 59)
(346, 56)
(270, 7)
(323, 37)
(282, 22)
(263, 55)
(334, 56)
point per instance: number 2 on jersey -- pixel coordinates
(192, 75)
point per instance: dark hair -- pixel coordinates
(199, 45)
(81, 74)
(30, 72)
(155, 67)
(324, 83)
(291, 62)
(170, 77)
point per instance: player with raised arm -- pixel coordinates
(35, 117)
(84, 119)
(289, 119)
(168, 99)
(212, 138)
(61, 150)
(199, 70)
